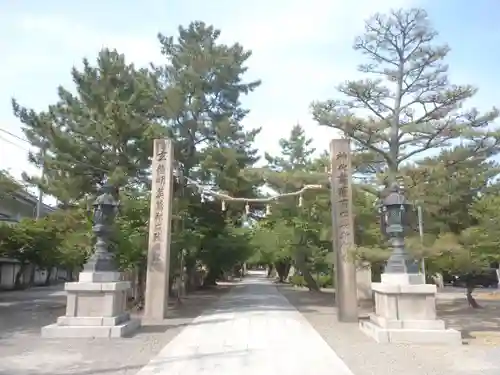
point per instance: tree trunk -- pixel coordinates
(211, 278)
(470, 299)
(282, 269)
(32, 275)
(438, 279)
(269, 270)
(139, 286)
(302, 266)
(19, 274)
(190, 275)
(172, 292)
(49, 274)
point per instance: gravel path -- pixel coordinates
(366, 357)
(24, 352)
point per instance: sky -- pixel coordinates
(301, 51)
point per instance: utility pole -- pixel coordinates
(181, 285)
(421, 233)
(39, 203)
(38, 213)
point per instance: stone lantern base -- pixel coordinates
(96, 307)
(364, 286)
(405, 312)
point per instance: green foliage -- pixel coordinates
(58, 239)
(403, 109)
(323, 281)
(104, 130)
(130, 239)
(291, 233)
(8, 185)
(200, 87)
(272, 241)
(483, 239)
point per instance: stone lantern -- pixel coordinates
(395, 212)
(97, 304)
(405, 306)
(103, 218)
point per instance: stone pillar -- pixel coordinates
(158, 266)
(343, 231)
(405, 312)
(96, 307)
(274, 273)
(291, 273)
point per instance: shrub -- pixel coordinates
(324, 281)
(297, 280)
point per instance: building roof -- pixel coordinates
(5, 217)
(24, 195)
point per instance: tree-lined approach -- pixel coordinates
(405, 119)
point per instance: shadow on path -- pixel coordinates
(24, 352)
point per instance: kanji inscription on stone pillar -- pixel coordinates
(343, 230)
(158, 264)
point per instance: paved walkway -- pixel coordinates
(253, 330)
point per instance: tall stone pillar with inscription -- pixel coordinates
(343, 231)
(158, 267)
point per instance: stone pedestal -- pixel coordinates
(95, 307)
(274, 274)
(364, 286)
(405, 312)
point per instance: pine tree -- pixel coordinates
(448, 185)
(296, 152)
(298, 228)
(105, 130)
(102, 130)
(8, 185)
(406, 105)
(199, 89)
